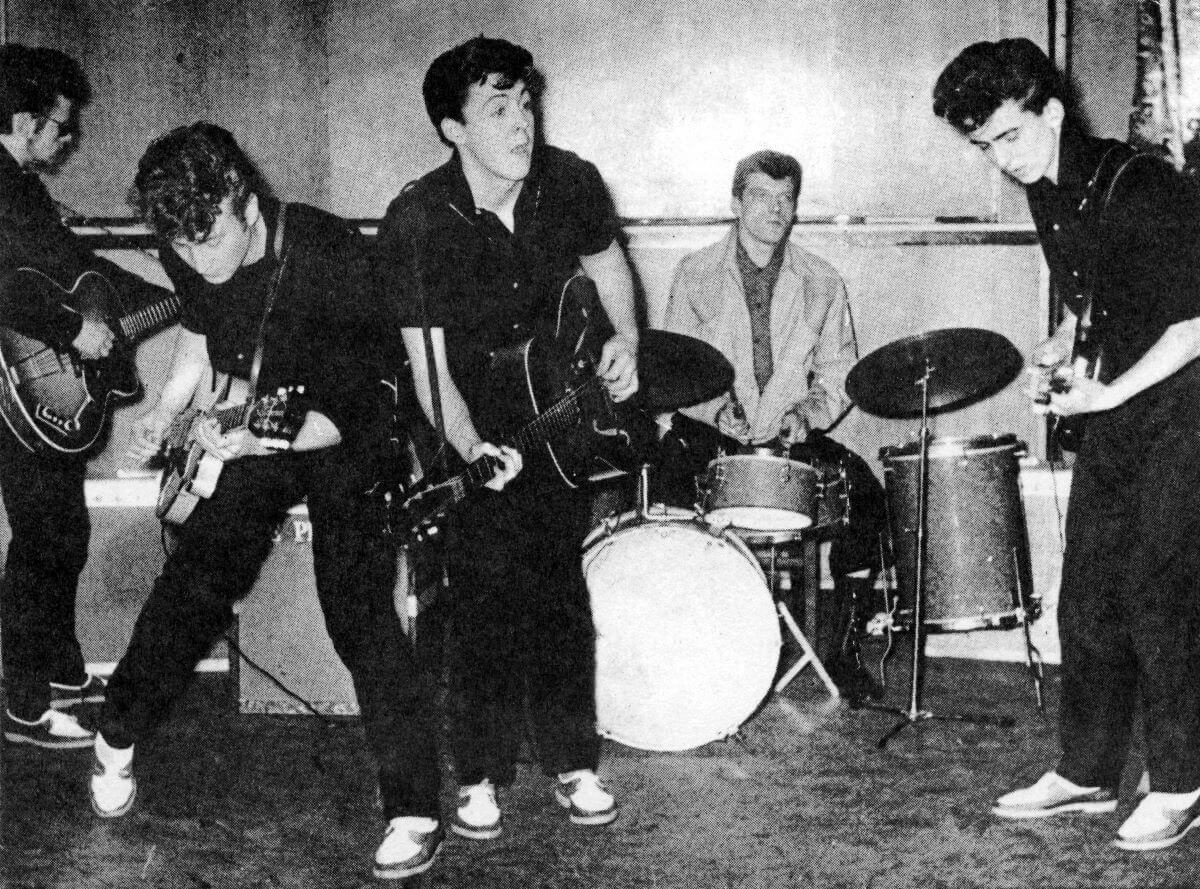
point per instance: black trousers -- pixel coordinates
(220, 552)
(44, 500)
(1129, 606)
(522, 632)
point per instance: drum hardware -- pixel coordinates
(1033, 657)
(920, 375)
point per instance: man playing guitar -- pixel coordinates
(1119, 231)
(41, 94)
(281, 296)
(478, 251)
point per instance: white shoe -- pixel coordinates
(478, 813)
(1160, 820)
(409, 847)
(1053, 794)
(585, 798)
(53, 730)
(112, 787)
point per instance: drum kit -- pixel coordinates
(687, 622)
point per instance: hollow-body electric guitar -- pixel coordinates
(569, 413)
(57, 400)
(192, 473)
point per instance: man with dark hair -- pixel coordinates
(283, 296)
(1119, 231)
(495, 233)
(41, 94)
(781, 316)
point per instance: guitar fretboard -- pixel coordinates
(152, 317)
(561, 416)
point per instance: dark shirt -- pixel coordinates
(32, 235)
(1137, 251)
(486, 286)
(326, 331)
(758, 285)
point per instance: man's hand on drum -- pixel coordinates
(793, 429)
(731, 421)
(508, 459)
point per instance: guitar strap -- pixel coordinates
(420, 232)
(278, 253)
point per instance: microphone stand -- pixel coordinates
(915, 714)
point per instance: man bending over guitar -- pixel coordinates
(1119, 231)
(281, 296)
(479, 249)
(41, 93)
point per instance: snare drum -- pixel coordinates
(760, 492)
(977, 567)
(687, 637)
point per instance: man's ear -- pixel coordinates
(253, 211)
(452, 129)
(1054, 113)
(735, 204)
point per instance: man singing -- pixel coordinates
(481, 247)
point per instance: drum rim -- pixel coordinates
(770, 458)
(951, 446)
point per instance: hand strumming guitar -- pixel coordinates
(94, 340)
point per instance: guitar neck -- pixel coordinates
(150, 318)
(561, 416)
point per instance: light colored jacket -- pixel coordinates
(812, 340)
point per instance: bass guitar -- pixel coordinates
(56, 400)
(191, 473)
(569, 414)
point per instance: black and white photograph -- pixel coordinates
(599, 445)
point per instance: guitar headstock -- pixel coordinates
(278, 415)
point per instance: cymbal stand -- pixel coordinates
(915, 714)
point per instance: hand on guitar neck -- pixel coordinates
(506, 461)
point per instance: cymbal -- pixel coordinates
(965, 364)
(679, 371)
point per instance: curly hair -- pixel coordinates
(449, 78)
(774, 163)
(185, 175)
(32, 79)
(986, 75)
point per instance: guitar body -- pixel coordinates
(587, 435)
(55, 400)
(1087, 362)
(192, 473)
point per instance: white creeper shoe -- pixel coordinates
(1160, 820)
(112, 787)
(409, 847)
(585, 798)
(478, 813)
(1053, 794)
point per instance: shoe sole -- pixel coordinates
(1097, 807)
(399, 872)
(475, 833)
(595, 819)
(67, 703)
(118, 812)
(1154, 845)
(66, 744)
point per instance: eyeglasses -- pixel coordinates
(66, 128)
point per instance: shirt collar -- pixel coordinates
(458, 189)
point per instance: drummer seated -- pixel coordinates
(781, 316)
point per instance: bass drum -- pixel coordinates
(687, 638)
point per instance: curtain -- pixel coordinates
(1166, 105)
